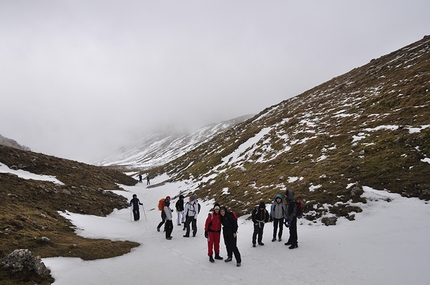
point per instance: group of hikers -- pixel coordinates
(148, 180)
(220, 218)
(280, 214)
(186, 214)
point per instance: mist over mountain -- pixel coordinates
(164, 146)
(12, 143)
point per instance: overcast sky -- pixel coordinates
(79, 79)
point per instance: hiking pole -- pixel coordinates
(131, 213)
(144, 212)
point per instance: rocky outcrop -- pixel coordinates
(22, 260)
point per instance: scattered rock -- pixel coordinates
(21, 259)
(329, 221)
(356, 190)
(45, 239)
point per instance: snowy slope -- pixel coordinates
(387, 244)
(162, 147)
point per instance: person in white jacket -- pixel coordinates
(191, 211)
(169, 223)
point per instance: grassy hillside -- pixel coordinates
(368, 127)
(29, 208)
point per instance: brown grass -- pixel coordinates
(29, 209)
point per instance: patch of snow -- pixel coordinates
(28, 175)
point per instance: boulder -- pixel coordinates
(21, 259)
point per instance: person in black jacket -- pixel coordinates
(180, 210)
(229, 223)
(291, 219)
(134, 203)
(260, 216)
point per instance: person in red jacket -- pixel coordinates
(213, 233)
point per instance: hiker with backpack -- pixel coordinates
(191, 211)
(277, 213)
(168, 218)
(229, 230)
(180, 210)
(213, 233)
(134, 203)
(291, 215)
(161, 204)
(260, 216)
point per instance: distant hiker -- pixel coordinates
(229, 230)
(191, 211)
(168, 216)
(147, 180)
(291, 219)
(180, 210)
(277, 213)
(140, 178)
(161, 204)
(260, 216)
(134, 203)
(213, 233)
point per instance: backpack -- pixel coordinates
(161, 204)
(234, 214)
(300, 207)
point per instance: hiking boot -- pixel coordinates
(186, 235)
(260, 243)
(238, 264)
(168, 238)
(293, 246)
(273, 239)
(211, 259)
(280, 239)
(253, 245)
(228, 259)
(288, 243)
(218, 257)
(158, 229)
(194, 235)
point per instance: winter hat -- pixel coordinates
(167, 197)
(134, 195)
(216, 206)
(181, 197)
(278, 196)
(262, 205)
(223, 209)
(193, 197)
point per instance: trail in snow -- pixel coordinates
(387, 244)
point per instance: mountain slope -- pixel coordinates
(30, 206)
(12, 143)
(368, 127)
(160, 148)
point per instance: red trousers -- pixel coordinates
(213, 242)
